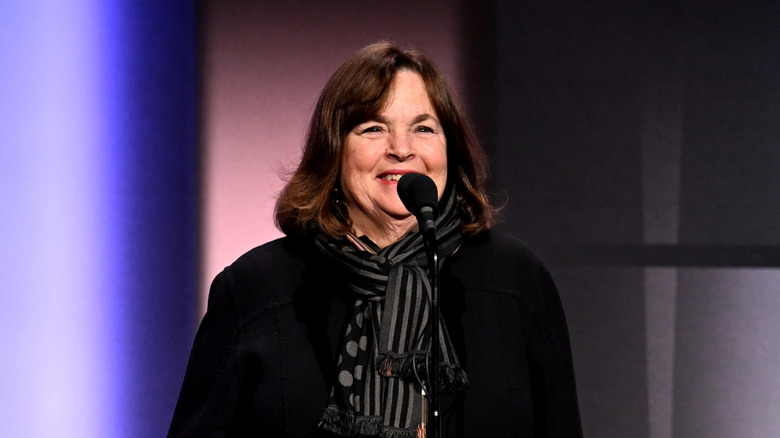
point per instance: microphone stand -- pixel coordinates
(432, 251)
(419, 195)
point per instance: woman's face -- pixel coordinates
(404, 137)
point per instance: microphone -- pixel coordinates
(419, 195)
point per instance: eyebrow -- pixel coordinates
(417, 119)
(423, 117)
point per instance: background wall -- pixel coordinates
(635, 146)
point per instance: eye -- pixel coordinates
(425, 129)
(370, 129)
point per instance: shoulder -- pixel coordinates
(500, 244)
(282, 253)
(265, 276)
(499, 255)
(498, 262)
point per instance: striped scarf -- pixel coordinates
(384, 350)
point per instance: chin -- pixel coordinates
(397, 214)
(398, 211)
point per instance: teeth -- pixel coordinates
(392, 177)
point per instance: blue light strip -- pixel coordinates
(98, 215)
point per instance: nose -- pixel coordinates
(400, 146)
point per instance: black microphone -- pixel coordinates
(419, 195)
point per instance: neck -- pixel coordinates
(384, 233)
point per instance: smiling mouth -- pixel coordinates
(391, 177)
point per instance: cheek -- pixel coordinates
(438, 161)
(355, 169)
(357, 156)
(442, 170)
(442, 159)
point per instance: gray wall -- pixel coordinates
(637, 148)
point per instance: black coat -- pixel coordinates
(263, 357)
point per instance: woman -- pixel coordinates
(324, 332)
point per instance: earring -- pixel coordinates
(337, 195)
(339, 208)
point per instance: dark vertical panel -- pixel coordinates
(566, 121)
(477, 35)
(155, 196)
(565, 148)
(732, 126)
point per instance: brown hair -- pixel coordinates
(355, 93)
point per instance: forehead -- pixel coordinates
(408, 93)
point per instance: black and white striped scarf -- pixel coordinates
(383, 352)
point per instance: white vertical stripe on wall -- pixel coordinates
(661, 144)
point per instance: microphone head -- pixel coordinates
(417, 191)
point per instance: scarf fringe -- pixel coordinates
(400, 365)
(338, 421)
(369, 426)
(399, 433)
(345, 423)
(452, 378)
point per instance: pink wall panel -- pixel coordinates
(264, 64)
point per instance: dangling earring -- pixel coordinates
(339, 208)
(337, 195)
